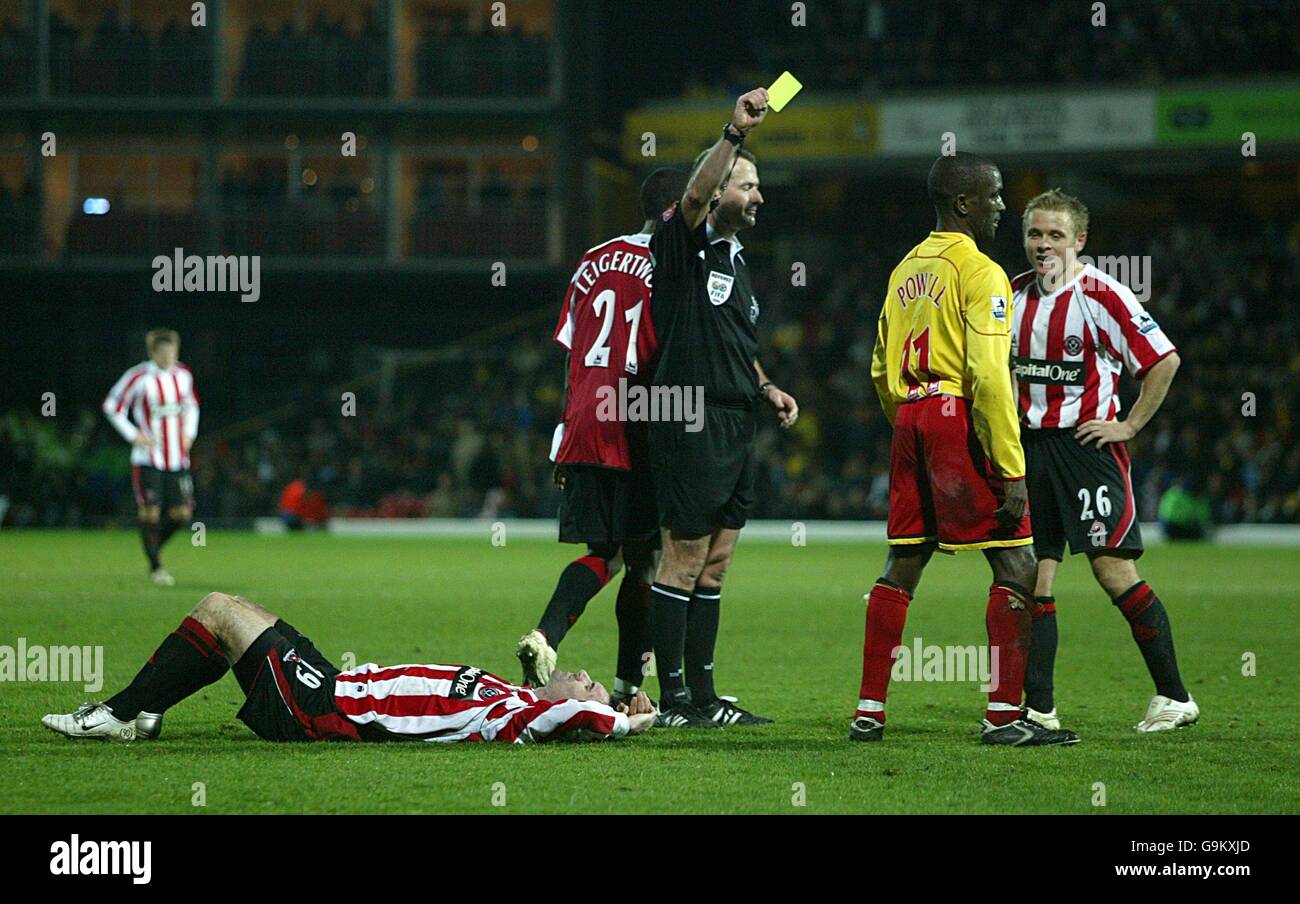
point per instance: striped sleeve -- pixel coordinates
(118, 401)
(190, 405)
(546, 720)
(1128, 331)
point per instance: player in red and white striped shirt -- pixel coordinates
(602, 462)
(156, 409)
(293, 693)
(1074, 329)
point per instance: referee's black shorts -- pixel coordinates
(1079, 495)
(705, 480)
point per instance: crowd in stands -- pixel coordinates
(469, 436)
(330, 213)
(452, 61)
(326, 59)
(849, 45)
(17, 58)
(509, 216)
(867, 45)
(329, 57)
(19, 218)
(121, 58)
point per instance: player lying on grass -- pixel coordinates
(295, 694)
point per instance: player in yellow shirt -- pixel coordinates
(956, 471)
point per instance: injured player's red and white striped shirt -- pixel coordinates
(1068, 347)
(450, 703)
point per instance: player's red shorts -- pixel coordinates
(941, 484)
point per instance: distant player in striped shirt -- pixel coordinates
(1074, 329)
(156, 409)
(293, 693)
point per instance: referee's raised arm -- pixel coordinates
(749, 112)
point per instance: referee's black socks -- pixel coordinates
(701, 639)
(669, 607)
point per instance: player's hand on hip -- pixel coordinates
(1102, 432)
(558, 476)
(750, 109)
(143, 441)
(786, 408)
(1015, 503)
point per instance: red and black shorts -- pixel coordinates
(289, 688)
(942, 487)
(165, 489)
(607, 506)
(1080, 494)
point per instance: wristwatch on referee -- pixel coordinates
(732, 134)
(762, 390)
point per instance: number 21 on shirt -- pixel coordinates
(604, 305)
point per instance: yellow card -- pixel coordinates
(783, 91)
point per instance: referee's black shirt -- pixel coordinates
(705, 314)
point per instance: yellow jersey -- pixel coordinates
(945, 329)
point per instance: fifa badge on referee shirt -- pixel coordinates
(719, 286)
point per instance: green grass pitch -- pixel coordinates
(789, 648)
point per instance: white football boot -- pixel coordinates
(1164, 714)
(537, 658)
(91, 720)
(1047, 720)
(162, 577)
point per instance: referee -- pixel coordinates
(706, 315)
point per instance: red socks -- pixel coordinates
(886, 614)
(1010, 626)
(1008, 621)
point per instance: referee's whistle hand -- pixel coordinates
(750, 109)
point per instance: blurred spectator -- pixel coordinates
(1184, 514)
(301, 506)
